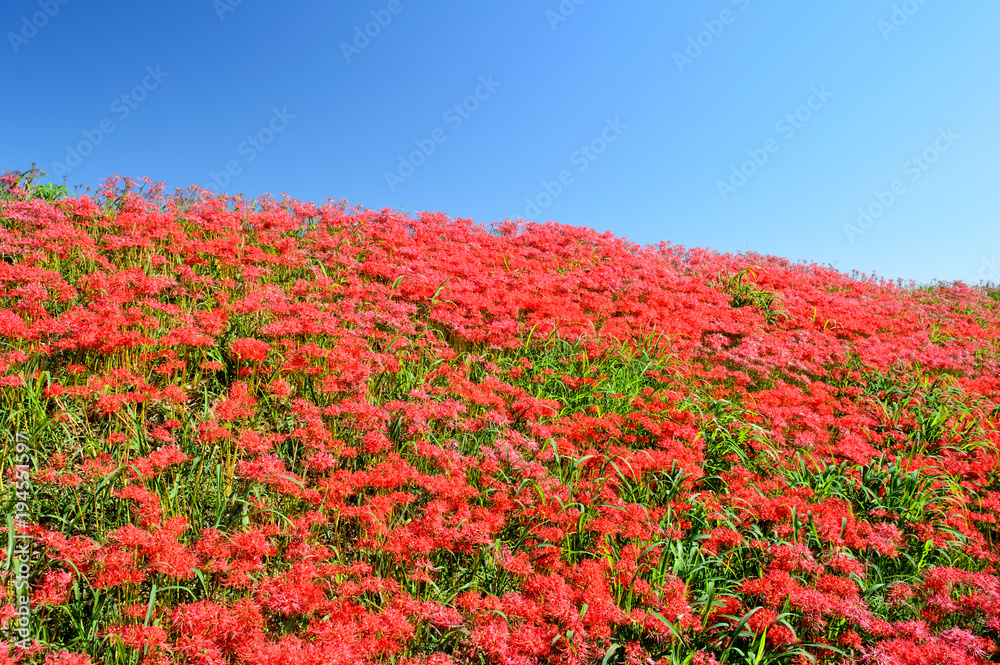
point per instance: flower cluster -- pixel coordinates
(268, 431)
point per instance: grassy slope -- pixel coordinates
(268, 431)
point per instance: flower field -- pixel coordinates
(270, 432)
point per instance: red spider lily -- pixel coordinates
(250, 349)
(298, 433)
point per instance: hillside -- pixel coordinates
(266, 431)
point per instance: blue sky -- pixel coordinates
(731, 124)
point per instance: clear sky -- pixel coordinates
(731, 124)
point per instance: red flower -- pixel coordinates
(250, 349)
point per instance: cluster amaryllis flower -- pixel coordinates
(266, 431)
